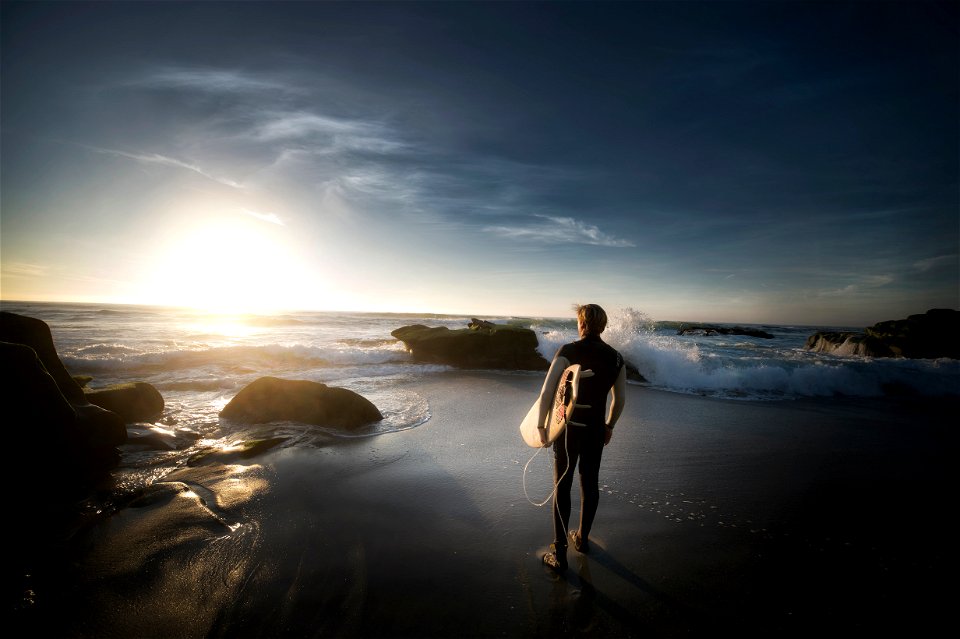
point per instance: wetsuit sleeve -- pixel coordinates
(619, 392)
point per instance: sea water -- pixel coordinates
(192, 356)
(199, 361)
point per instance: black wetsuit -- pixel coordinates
(583, 444)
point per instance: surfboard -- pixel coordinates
(561, 409)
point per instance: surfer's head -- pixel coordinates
(591, 319)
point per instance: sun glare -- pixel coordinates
(227, 265)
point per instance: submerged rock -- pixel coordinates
(479, 323)
(136, 402)
(240, 451)
(926, 336)
(480, 346)
(271, 399)
(700, 329)
(147, 436)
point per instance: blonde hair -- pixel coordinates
(593, 318)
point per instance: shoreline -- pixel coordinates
(750, 517)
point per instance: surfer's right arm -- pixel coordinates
(557, 367)
(619, 392)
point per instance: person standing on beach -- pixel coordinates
(584, 443)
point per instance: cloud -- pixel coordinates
(156, 158)
(279, 132)
(559, 230)
(266, 217)
(23, 269)
(265, 108)
(211, 81)
(933, 263)
(865, 283)
(340, 134)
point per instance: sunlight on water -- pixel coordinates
(223, 325)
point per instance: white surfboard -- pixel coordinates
(561, 410)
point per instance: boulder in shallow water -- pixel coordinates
(136, 402)
(494, 346)
(847, 343)
(270, 399)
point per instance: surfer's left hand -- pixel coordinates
(543, 438)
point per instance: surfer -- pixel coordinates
(583, 441)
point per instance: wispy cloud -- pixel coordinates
(273, 218)
(864, 284)
(289, 135)
(23, 269)
(333, 134)
(156, 158)
(211, 81)
(558, 230)
(933, 263)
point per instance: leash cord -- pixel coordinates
(556, 485)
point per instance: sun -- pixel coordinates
(227, 264)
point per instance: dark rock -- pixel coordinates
(20, 329)
(136, 402)
(57, 449)
(34, 407)
(270, 399)
(499, 347)
(89, 432)
(927, 336)
(723, 330)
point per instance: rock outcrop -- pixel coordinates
(929, 335)
(270, 399)
(486, 345)
(135, 402)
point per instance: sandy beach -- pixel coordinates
(756, 518)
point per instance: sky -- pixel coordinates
(771, 162)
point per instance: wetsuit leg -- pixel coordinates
(591, 450)
(565, 451)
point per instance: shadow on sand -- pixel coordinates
(600, 595)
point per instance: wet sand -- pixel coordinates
(761, 519)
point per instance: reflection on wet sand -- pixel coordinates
(174, 562)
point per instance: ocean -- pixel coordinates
(199, 361)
